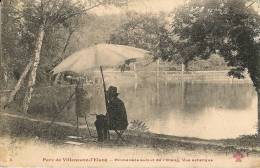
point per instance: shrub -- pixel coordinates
(139, 126)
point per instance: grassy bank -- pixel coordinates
(58, 133)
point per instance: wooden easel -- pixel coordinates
(85, 117)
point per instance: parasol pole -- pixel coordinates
(106, 101)
(104, 87)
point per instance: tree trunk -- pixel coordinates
(57, 77)
(32, 77)
(258, 109)
(19, 83)
(182, 68)
(3, 75)
(186, 64)
(158, 82)
(2, 68)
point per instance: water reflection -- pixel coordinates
(200, 109)
(205, 110)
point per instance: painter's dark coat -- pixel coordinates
(117, 114)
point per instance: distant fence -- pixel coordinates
(179, 76)
(206, 76)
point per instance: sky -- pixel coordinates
(144, 6)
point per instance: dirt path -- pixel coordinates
(65, 124)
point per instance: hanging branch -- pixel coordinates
(66, 16)
(63, 52)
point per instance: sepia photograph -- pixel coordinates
(130, 83)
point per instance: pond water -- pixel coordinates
(209, 110)
(200, 109)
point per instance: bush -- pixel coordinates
(138, 126)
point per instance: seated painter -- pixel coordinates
(116, 117)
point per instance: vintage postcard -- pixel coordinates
(130, 83)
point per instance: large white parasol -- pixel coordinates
(99, 55)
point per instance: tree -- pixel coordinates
(187, 33)
(230, 28)
(37, 17)
(146, 31)
(10, 43)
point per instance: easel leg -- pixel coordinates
(77, 131)
(88, 126)
(108, 135)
